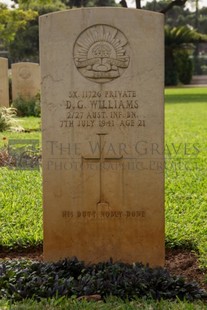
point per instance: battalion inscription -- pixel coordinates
(107, 109)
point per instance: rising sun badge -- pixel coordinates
(101, 53)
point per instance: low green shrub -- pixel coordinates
(27, 107)
(25, 279)
(178, 67)
(184, 65)
(171, 74)
(200, 62)
(7, 119)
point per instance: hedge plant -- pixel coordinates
(25, 279)
(27, 107)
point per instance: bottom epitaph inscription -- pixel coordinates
(104, 214)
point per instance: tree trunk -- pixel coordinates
(138, 4)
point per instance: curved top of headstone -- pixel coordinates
(25, 69)
(131, 10)
(25, 63)
(100, 48)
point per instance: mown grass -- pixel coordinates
(109, 303)
(31, 125)
(21, 208)
(186, 95)
(186, 169)
(21, 195)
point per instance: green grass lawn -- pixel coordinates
(186, 169)
(21, 195)
(185, 189)
(110, 303)
(28, 123)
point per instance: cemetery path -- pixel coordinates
(178, 262)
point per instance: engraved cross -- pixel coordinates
(101, 159)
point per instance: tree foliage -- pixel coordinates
(66, 3)
(19, 27)
(25, 47)
(178, 48)
(202, 20)
(45, 5)
(12, 21)
(168, 5)
(182, 36)
(181, 16)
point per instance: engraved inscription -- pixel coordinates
(101, 53)
(109, 108)
(101, 159)
(103, 214)
(24, 73)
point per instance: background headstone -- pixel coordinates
(4, 82)
(25, 80)
(102, 122)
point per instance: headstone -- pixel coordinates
(102, 122)
(4, 83)
(25, 80)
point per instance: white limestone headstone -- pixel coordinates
(102, 122)
(25, 80)
(4, 83)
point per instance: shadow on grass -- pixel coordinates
(185, 98)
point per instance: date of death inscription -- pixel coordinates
(102, 109)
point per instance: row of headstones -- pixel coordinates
(25, 80)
